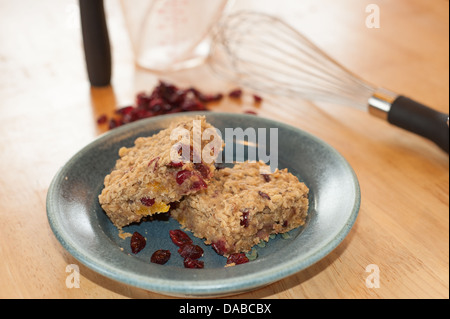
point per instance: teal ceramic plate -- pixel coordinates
(82, 227)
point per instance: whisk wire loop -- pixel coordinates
(266, 54)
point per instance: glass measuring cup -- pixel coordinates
(168, 35)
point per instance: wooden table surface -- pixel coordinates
(48, 112)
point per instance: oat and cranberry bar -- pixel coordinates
(242, 207)
(159, 170)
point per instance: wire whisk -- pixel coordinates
(265, 54)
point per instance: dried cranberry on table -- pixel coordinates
(137, 243)
(125, 110)
(257, 99)
(102, 119)
(209, 98)
(165, 98)
(235, 94)
(113, 123)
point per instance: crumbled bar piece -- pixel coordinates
(160, 170)
(242, 207)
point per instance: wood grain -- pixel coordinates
(48, 112)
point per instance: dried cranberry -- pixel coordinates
(155, 104)
(185, 157)
(155, 160)
(160, 257)
(166, 90)
(192, 105)
(102, 119)
(191, 251)
(125, 110)
(264, 195)
(192, 263)
(139, 114)
(182, 176)
(113, 123)
(238, 258)
(175, 165)
(142, 99)
(147, 201)
(137, 243)
(203, 169)
(194, 91)
(235, 94)
(177, 97)
(219, 247)
(165, 98)
(167, 107)
(257, 99)
(128, 118)
(244, 220)
(198, 184)
(179, 237)
(266, 177)
(209, 98)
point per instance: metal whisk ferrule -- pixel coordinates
(380, 103)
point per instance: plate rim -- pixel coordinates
(211, 288)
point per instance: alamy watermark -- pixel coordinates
(240, 145)
(373, 280)
(373, 19)
(73, 279)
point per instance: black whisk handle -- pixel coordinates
(420, 119)
(96, 42)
